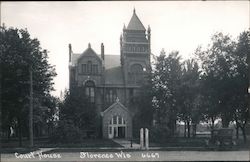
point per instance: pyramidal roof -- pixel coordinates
(135, 23)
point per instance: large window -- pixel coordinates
(136, 68)
(90, 91)
(111, 95)
(136, 74)
(89, 68)
(117, 120)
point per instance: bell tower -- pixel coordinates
(135, 51)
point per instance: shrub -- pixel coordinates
(66, 132)
(159, 133)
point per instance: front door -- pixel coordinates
(117, 127)
(121, 132)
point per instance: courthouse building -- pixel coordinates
(112, 81)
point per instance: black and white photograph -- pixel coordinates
(124, 81)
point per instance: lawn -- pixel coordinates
(86, 143)
(198, 143)
(13, 144)
(180, 142)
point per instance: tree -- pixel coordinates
(166, 84)
(45, 115)
(19, 53)
(225, 80)
(189, 109)
(218, 71)
(240, 98)
(78, 113)
(143, 117)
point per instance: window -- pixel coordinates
(136, 68)
(90, 91)
(114, 119)
(95, 69)
(110, 95)
(84, 68)
(89, 67)
(119, 120)
(136, 74)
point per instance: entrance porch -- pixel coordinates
(117, 122)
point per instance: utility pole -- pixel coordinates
(31, 108)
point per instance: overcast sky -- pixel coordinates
(177, 25)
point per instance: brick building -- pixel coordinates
(112, 81)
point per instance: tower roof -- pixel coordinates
(135, 23)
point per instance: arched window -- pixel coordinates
(90, 91)
(136, 73)
(111, 95)
(136, 69)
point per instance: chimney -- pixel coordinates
(70, 52)
(102, 51)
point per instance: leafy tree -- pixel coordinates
(143, 117)
(45, 115)
(189, 110)
(240, 80)
(76, 110)
(225, 80)
(19, 55)
(217, 64)
(166, 82)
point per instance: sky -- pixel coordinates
(175, 25)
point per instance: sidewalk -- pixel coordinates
(43, 150)
(127, 144)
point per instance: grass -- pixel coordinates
(87, 143)
(19, 150)
(44, 142)
(180, 142)
(198, 143)
(169, 144)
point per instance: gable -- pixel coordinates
(89, 53)
(115, 108)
